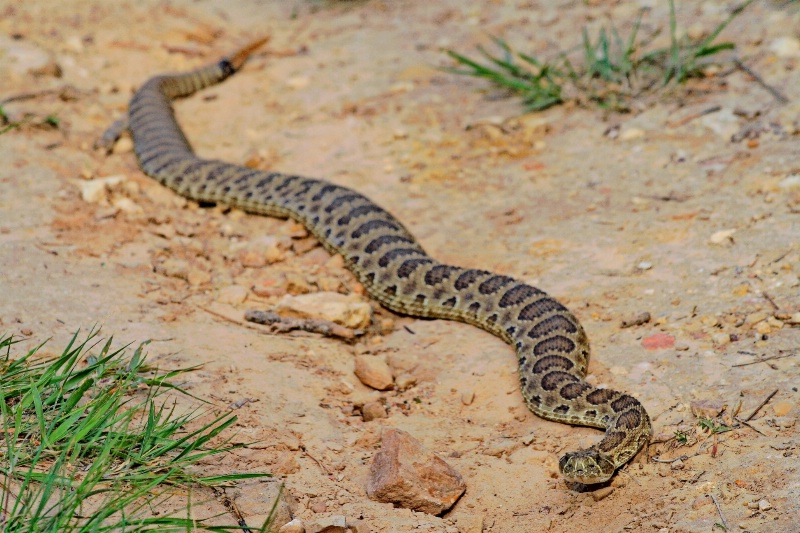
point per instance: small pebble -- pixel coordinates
(174, 268)
(599, 494)
(123, 146)
(295, 526)
(791, 182)
(252, 259)
(764, 505)
(318, 506)
(763, 328)
(197, 277)
(721, 338)
(754, 318)
(405, 381)
(467, 396)
(782, 408)
(233, 294)
(638, 320)
(677, 465)
(631, 134)
(94, 191)
(373, 411)
(722, 236)
(785, 47)
(373, 372)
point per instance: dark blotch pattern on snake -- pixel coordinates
(551, 345)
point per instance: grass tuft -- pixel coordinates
(86, 445)
(612, 71)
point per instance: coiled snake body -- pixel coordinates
(551, 345)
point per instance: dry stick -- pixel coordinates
(748, 425)
(766, 359)
(695, 478)
(230, 505)
(768, 298)
(232, 320)
(724, 522)
(770, 89)
(689, 118)
(762, 404)
(281, 323)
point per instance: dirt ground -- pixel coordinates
(688, 209)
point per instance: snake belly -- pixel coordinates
(551, 345)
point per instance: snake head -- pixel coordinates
(586, 466)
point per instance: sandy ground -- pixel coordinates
(658, 211)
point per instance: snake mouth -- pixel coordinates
(586, 466)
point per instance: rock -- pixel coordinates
(405, 473)
(318, 505)
(402, 362)
(252, 258)
(658, 341)
(297, 284)
(782, 408)
(790, 183)
(467, 396)
(373, 372)
(127, 206)
(197, 277)
(599, 494)
(631, 134)
(785, 47)
(764, 505)
(763, 328)
(123, 145)
(94, 191)
(677, 464)
(707, 408)
(349, 311)
(373, 411)
(233, 294)
(295, 526)
(795, 319)
(328, 524)
(721, 338)
(405, 381)
(174, 268)
(722, 236)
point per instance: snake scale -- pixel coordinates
(551, 344)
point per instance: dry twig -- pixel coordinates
(313, 325)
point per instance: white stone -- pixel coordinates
(785, 47)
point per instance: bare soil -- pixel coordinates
(691, 217)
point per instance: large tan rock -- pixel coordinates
(348, 311)
(407, 474)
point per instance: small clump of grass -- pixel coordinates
(87, 445)
(612, 72)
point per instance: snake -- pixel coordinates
(550, 343)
